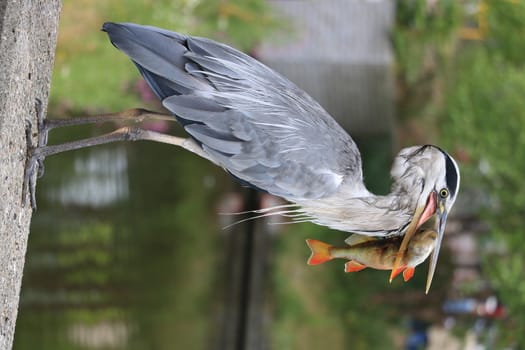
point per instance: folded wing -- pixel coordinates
(252, 121)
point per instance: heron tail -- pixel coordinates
(159, 55)
(320, 252)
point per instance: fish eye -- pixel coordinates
(443, 193)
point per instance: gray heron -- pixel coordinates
(271, 135)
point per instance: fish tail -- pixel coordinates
(320, 252)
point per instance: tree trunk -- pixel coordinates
(28, 32)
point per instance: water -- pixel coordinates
(124, 251)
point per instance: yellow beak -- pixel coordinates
(421, 215)
(440, 224)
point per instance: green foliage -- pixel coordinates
(485, 115)
(485, 112)
(423, 35)
(506, 29)
(243, 23)
(507, 273)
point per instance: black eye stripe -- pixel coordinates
(451, 171)
(451, 175)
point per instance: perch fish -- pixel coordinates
(377, 253)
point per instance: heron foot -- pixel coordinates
(34, 167)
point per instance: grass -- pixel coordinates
(89, 71)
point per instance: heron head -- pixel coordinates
(430, 178)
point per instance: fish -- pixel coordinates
(377, 253)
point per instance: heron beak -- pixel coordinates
(441, 220)
(421, 215)
(429, 210)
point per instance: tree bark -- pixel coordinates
(28, 32)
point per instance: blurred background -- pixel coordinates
(128, 249)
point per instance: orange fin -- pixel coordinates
(408, 273)
(320, 252)
(396, 272)
(354, 266)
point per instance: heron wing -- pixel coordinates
(251, 120)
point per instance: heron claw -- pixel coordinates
(34, 167)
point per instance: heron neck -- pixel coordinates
(367, 214)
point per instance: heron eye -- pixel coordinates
(443, 193)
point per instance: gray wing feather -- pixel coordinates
(210, 64)
(214, 139)
(255, 123)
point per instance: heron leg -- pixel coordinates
(136, 115)
(36, 154)
(126, 133)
